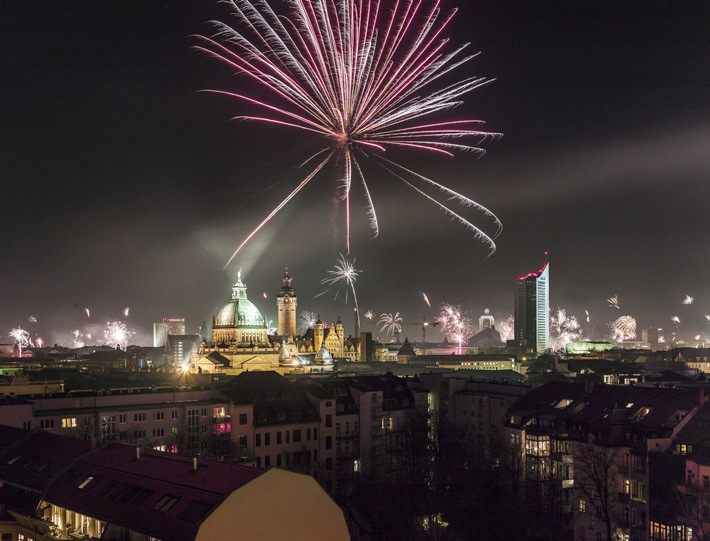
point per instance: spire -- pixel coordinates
(287, 288)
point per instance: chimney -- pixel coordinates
(138, 452)
(195, 462)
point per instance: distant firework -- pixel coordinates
(78, 340)
(564, 329)
(345, 272)
(614, 302)
(688, 300)
(455, 326)
(21, 338)
(307, 320)
(88, 313)
(675, 319)
(117, 335)
(32, 319)
(390, 323)
(707, 316)
(623, 328)
(506, 328)
(39, 342)
(125, 311)
(370, 314)
(358, 78)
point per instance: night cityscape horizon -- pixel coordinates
(366, 270)
(131, 187)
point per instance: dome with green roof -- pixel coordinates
(239, 320)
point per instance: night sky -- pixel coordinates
(124, 186)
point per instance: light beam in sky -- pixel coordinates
(361, 78)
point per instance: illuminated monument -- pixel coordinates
(240, 340)
(532, 307)
(286, 303)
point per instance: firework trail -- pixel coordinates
(307, 320)
(614, 302)
(623, 328)
(88, 313)
(455, 326)
(506, 328)
(390, 323)
(125, 311)
(345, 272)
(707, 316)
(39, 342)
(117, 335)
(564, 329)
(21, 338)
(688, 299)
(424, 296)
(360, 78)
(370, 314)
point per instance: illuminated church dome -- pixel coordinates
(239, 320)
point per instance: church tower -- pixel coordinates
(286, 303)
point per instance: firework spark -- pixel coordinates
(675, 319)
(564, 329)
(623, 328)
(370, 314)
(307, 320)
(117, 335)
(88, 313)
(31, 319)
(78, 340)
(125, 311)
(346, 273)
(21, 338)
(614, 302)
(39, 342)
(360, 79)
(688, 299)
(390, 323)
(707, 316)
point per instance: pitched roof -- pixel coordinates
(158, 494)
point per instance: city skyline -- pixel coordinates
(126, 187)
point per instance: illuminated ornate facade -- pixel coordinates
(239, 322)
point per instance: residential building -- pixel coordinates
(56, 487)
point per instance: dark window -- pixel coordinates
(267, 461)
(258, 440)
(242, 418)
(328, 464)
(278, 460)
(267, 438)
(328, 421)
(278, 438)
(297, 435)
(243, 440)
(315, 433)
(328, 442)
(308, 434)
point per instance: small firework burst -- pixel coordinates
(390, 323)
(370, 314)
(614, 302)
(307, 320)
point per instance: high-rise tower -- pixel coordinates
(286, 303)
(532, 307)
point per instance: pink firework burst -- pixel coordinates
(361, 77)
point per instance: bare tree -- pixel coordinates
(595, 467)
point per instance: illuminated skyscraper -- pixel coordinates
(170, 325)
(532, 307)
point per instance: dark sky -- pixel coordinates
(122, 186)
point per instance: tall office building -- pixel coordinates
(532, 307)
(170, 325)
